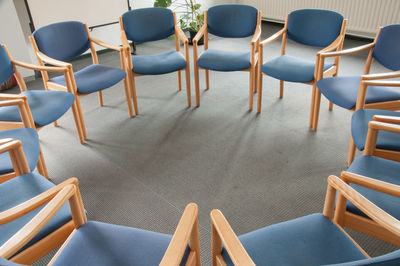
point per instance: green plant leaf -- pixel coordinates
(162, 3)
(196, 6)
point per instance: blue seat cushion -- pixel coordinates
(343, 91)
(94, 78)
(392, 258)
(359, 129)
(224, 60)
(157, 64)
(46, 106)
(30, 144)
(381, 169)
(4, 262)
(97, 243)
(309, 240)
(290, 68)
(20, 189)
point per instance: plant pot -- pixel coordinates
(192, 35)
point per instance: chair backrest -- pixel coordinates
(387, 47)
(148, 24)
(315, 27)
(63, 40)
(6, 68)
(232, 21)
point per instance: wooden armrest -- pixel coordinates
(181, 237)
(256, 35)
(9, 96)
(387, 119)
(374, 212)
(40, 68)
(9, 144)
(273, 37)
(381, 83)
(106, 45)
(199, 34)
(231, 242)
(11, 102)
(348, 51)
(387, 75)
(335, 44)
(52, 61)
(181, 35)
(384, 126)
(6, 140)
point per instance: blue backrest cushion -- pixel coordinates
(315, 27)
(6, 68)
(4, 262)
(148, 24)
(387, 47)
(63, 40)
(232, 21)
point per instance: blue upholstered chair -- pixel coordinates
(25, 186)
(57, 43)
(316, 239)
(153, 24)
(312, 27)
(228, 21)
(97, 243)
(43, 106)
(357, 92)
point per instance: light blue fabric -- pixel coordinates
(63, 40)
(148, 24)
(4, 262)
(219, 60)
(359, 129)
(158, 63)
(20, 189)
(390, 259)
(232, 21)
(290, 68)
(46, 106)
(343, 91)
(315, 27)
(387, 48)
(97, 243)
(381, 169)
(30, 144)
(6, 68)
(94, 78)
(309, 240)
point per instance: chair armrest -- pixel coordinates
(11, 102)
(9, 96)
(199, 34)
(384, 126)
(387, 119)
(181, 35)
(256, 35)
(228, 237)
(106, 45)
(40, 68)
(185, 232)
(22, 102)
(387, 75)
(52, 61)
(335, 44)
(273, 37)
(348, 51)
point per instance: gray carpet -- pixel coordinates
(257, 169)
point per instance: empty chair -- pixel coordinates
(228, 21)
(316, 239)
(152, 24)
(312, 27)
(366, 91)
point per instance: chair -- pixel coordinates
(57, 43)
(26, 186)
(228, 21)
(152, 24)
(316, 239)
(350, 92)
(312, 27)
(45, 106)
(97, 243)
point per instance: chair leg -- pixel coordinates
(352, 152)
(330, 106)
(281, 83)
(316, 107)
(41, 165)
(207, 79)
(179, 80)
(189, 94)
(310, 124)
(196, 84)
(259, 91)
(55, 123)
(255, 78)
(79, 122)
(128, 96)
(131, 81)
(251, 88)
(100, 94)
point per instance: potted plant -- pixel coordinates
(191, 18)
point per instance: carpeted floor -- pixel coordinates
(257, 169)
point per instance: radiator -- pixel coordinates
(364, 16)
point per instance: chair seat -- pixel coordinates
(289, 68)
(97, 243)
(224, 60)
(21, 189)
(46, 107)
(157, 64)
(343, 91)
(30, 144)
(94, 78)
(309, 240)
(359, 130)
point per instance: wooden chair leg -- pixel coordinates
(310, 124)
(55, 123)
(207, 79)
(100, 94)
(255, 78)
(131, 81)
(79, 123)
(41, 166)
(188, 92)
(281, 83)
(179, 80)
(330, 106)
(197, 84)
(259, 92)
(216, 245)
(317, 103)
(251, 88)
(128, 96)
(352, 152)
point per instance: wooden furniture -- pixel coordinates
(312, 27)
(228, 21)
(57, 43)
(152, 24)
(368, 90)
(311, 240)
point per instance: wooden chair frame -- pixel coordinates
(70, 81)
(318, 73)
(222, 232)
(54, 239)
(179, 37)
(366, 79)
(254, 55)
